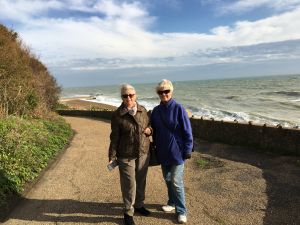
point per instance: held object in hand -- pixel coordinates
(112, 165)
(153, 161)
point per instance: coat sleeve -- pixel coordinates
(149, 123)
(114, 138)
(152, 117)
(186, 131)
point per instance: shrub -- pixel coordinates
(26, 86)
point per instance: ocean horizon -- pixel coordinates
(271, 100)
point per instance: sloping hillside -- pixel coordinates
(26, 86)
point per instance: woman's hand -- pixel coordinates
(147, 131)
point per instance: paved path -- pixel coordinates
(240, 187)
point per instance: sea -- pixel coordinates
(270, 100)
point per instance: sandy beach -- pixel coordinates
(85, 104)
(237, 186)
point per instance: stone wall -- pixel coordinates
(271, 139)
(86, 113)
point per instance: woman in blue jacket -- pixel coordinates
(173, 137)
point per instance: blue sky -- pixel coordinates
(101, 42)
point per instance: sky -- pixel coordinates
(102, 42)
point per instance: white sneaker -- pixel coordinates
(168, 208)
(182, 219)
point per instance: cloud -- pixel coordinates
(254, 53)
(22, 11)
(272, 29)
(266, 52)
(241, 6)
(168, 4)
(103, 34)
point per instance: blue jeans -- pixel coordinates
(173, 176)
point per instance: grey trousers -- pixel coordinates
(133, 173)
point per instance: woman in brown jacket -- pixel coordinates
(129, 146)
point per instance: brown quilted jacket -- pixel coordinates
(127, 139)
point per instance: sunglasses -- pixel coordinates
(163, 92)
(128, 95)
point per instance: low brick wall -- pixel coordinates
(86, 113)
(273, 139)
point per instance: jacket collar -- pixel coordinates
(168, 104)
(122, 110)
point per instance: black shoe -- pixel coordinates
(128, 220)
(143, 211)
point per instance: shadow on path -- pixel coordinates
(67, 210)
(282, 176)
(10, 197)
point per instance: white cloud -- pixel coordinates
(275, 28)
(240, 6)
(117, 33)
(21, 11)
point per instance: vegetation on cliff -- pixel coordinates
(30, 132)
(26, 86)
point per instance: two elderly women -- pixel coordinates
(172, 134)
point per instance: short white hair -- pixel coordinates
(126, 87)
(164, 85)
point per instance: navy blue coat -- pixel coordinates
(172, 132)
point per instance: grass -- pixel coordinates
(26, 146)
(205, 162)
(202, 163)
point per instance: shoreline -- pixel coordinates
(87, 103)
(84, 103)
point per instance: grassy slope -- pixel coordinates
(26, 147)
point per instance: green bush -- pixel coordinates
(26, 145)
(60, 106)
(32, 100)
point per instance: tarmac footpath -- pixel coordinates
(235, 186)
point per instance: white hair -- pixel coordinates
(164, 85)
(126, 87)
